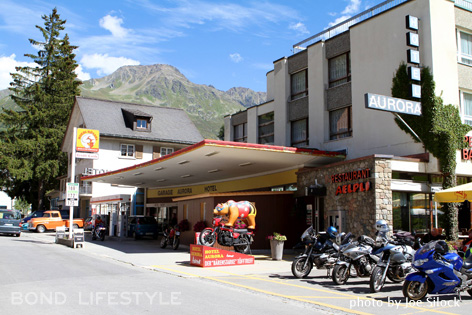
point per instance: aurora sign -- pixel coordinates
(392, 104)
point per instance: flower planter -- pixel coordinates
(276, 249)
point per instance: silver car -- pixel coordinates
(10, 222)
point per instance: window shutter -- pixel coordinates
(139, 151)
(156, 153)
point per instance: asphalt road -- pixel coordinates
(138, 277)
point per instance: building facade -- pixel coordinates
(317, 99)
(130, 134)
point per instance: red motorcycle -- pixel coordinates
(241, 239)
(171, 237)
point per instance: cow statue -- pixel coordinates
(243, 210)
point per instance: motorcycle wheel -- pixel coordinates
(244, 249)
(207, 238)
(163, 242)
(94, 236)
(376, 283)
(340, 274)
(297, 267)
(102, 235)
(415, 290)
(470, 292)
(175, 243)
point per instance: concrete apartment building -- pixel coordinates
(316, 99)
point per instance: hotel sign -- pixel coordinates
(392, 104)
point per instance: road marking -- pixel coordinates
(299, 298)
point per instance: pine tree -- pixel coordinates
(30, 152)
(440, 129)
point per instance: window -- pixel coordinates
(466, 106)
(299, 84)
(266, 128)
(240, 133)
(127, 150)
(141, 124)
(299, 133)
(464, 49)
(166, 151)
(339, 69)
(340, 123)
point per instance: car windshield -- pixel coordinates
(10, 215)
(147, 220)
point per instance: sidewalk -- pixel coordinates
(146, 253)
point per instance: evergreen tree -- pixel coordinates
(30, 152)
(440, 129)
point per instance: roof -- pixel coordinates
(214, 161)
(168, 124)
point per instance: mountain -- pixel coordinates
(165, 85)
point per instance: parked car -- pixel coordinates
(143, 226)
(51, 219)
(10, 222)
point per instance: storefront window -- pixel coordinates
(411, 212)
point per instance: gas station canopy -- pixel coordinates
(211, 161)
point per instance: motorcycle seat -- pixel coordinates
(240, 231)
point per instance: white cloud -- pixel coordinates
(81, 74)
(7, 66)
(113, 24)
(339, 20)
(236, 57)
(299, 27)
(106, 64)
(352, 8)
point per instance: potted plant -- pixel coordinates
(277, 245)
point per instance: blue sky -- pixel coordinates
(222, 43)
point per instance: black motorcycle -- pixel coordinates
(99, 232)
(320, 251)
(171, 237)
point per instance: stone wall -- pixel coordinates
(363, 207)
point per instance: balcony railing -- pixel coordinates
(464, 4)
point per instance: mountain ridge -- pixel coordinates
(164, 85)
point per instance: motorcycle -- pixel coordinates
(171, 237)
(241, 239)
(320, 252)
(395, 259)
(99, 232)
(439, 272)
(358, 256)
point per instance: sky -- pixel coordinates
(226, 43)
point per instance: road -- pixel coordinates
(137, 277)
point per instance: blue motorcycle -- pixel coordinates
(439, 272)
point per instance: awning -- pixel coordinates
(455, 194)
(212, 161)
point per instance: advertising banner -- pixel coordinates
(204, 256)
(87, 140)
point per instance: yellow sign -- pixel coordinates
(287, 177)
(87, 140)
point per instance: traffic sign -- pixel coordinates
(72, 195)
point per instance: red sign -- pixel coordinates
(467, 153)
(205, 256)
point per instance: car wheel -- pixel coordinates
(136, 236)
(40, 229)
(18, 235)
(76, 226)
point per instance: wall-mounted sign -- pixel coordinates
(88, 140)
(350, 176)
(412, 22)
(466, 153)
(392, 104)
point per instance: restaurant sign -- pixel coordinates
(351, 176)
